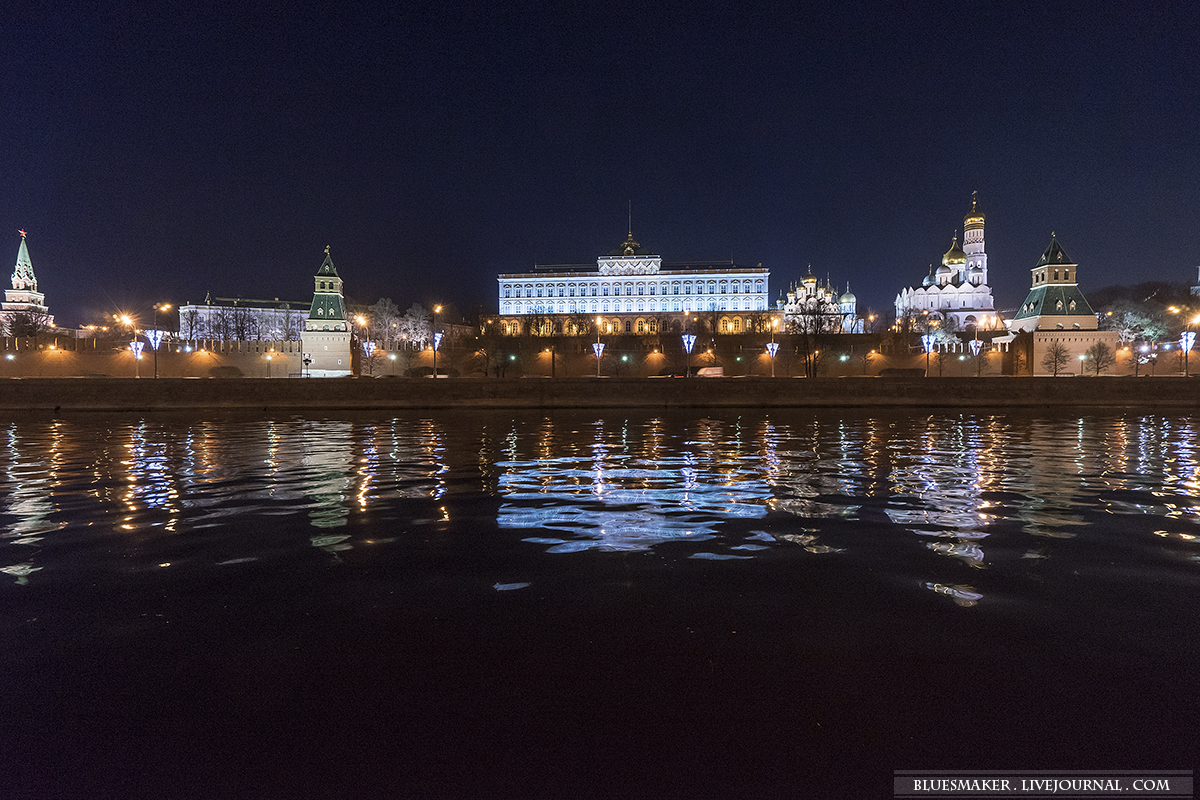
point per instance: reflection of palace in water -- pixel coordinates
(981, 490)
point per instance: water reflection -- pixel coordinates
(941, 500)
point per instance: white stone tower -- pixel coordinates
(976, 271)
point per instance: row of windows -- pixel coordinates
(1044, 275)
(628, 289)
(629, 306)
(642, 326)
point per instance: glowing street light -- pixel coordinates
(689, 341)
(1186, 340)
(598, 347)
(927, 342)
(136, 348)
(437, 338)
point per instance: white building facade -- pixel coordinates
(236, 318)
(632, 291)
(959, 289)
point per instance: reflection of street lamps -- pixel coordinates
(437, 339)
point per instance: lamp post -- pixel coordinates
(976, 346)
(156, 336)
(1186, 340)
(773, 348)
(689, 341)
(268, 357)
(1082, 358)
(392, 358)
(927, 342)
(437, 339)
(136, 348)
(598, 347)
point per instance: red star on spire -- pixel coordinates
(22, 234)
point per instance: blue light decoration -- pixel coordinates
(369, 347)
(598, 349)
(155, 338)
(136, 347)
(1186, 340)
(927, 342)
(689, 341)
(773, 348)
(976, 346)
(437, 340)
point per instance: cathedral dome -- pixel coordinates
(974, 217)
(929, 280)
(847, 297)
(954, 255)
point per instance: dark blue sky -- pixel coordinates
(156, 152)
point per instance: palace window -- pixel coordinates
(687, 288)
(593, 293)
(628, 290)
(712, 287)
(628, 327)
(675, 287)
(654, 326)
(606, 290)
(641, 326)
(758, 286)
(652, 289)
(560, 290)
(641, 290)
(737, 324)
(508, 291)
(736, 287)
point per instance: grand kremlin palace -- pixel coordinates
(631, 293)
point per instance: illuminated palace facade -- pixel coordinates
(630, 292)
(959, 289)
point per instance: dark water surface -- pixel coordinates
(782, 604)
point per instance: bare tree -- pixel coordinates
(1055, 358)
(415, 326)
(26, 323)
(1101, 356)
(385, 320)
(813, 323)
(243, 324)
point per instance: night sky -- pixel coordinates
(158, 152)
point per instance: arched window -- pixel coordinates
(628, 289)
(687, 288)
(628, 327)
(654, 326)
(508, 291)
(606, 290)
(737, 324)
(641, 326)
(724, 286)
(652, 289)
(539, 290)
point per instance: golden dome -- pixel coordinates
(974, 217)
(954, 255)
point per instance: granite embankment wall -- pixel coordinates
(58, 395)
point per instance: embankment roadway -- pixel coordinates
(59, 395)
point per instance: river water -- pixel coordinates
(640, 604)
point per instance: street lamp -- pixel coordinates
(268, 365)
(136, 348)
(598, 347)
(1186, 340)
(392, 358)
(1082, 358)
(156, 336)
(927, 342)
(772, 348)
(437, 338)
(689, 340)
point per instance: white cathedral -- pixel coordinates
(959, 289)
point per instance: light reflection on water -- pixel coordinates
(973, 492)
